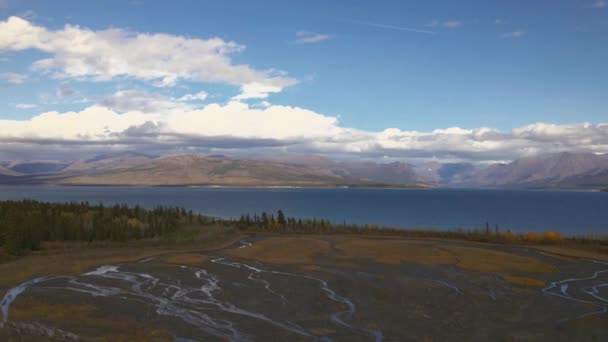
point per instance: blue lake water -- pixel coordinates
(570, 212)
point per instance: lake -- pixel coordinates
(569, 212)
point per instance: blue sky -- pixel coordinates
(410, 65)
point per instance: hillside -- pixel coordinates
(35, 167)
(354, 171)
(446, 174)
(553, 170)
(6, 172)
(108, 162)
(561, 170)
(204, 170)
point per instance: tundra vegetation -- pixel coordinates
(29, 225)
(274, 264)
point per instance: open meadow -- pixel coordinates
(263, 286)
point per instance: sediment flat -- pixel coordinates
(343, 288)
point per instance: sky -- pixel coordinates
(479, 81)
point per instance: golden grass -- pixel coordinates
(524, 281)
(559, 251)
(28, 309)
(76, 260)
(309, 268)
(548, 237)
(66, 262)
(303, 250)
(186, 259)
(394, 252)
(78, 316)
(284, 250)
(558, 257)
(489, 261)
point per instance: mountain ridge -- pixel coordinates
(559, 170)
(191, 169)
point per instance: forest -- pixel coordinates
(269, 223)
(26, 224)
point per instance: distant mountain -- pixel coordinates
(592, 180)
(456, 173)
(561, 170)
(386, 173)
(389, 173)
(448, 174)
(109, 162)
(200, 170)
(553, 170)
(305, 160)
(36, 167)
(6, 172)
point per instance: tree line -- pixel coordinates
(24, 225)
(279, 223)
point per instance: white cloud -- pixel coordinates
(513, 34)
(599, 4)
(141, 101)
(92, 123)
(163, 59)
(25, 105)
(305, 37)
(134, 118)
(200, 96)
(235, 119)
(256, 91)
(451, 24)
(12, 78)
(238, 119)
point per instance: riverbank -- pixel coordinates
(165, 274)
(302, 287)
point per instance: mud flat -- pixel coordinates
(319, 288)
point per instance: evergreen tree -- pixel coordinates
(281, 218)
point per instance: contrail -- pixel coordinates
(391, 27)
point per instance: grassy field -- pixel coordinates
(351, 250)
(290, 249)
(67, 258)
(381, 289)
(387, 272)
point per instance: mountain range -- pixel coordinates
(561, 170)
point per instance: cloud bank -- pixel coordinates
(134, 120)
(143, 121)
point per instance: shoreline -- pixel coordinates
(320, 187)
(230, 186)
